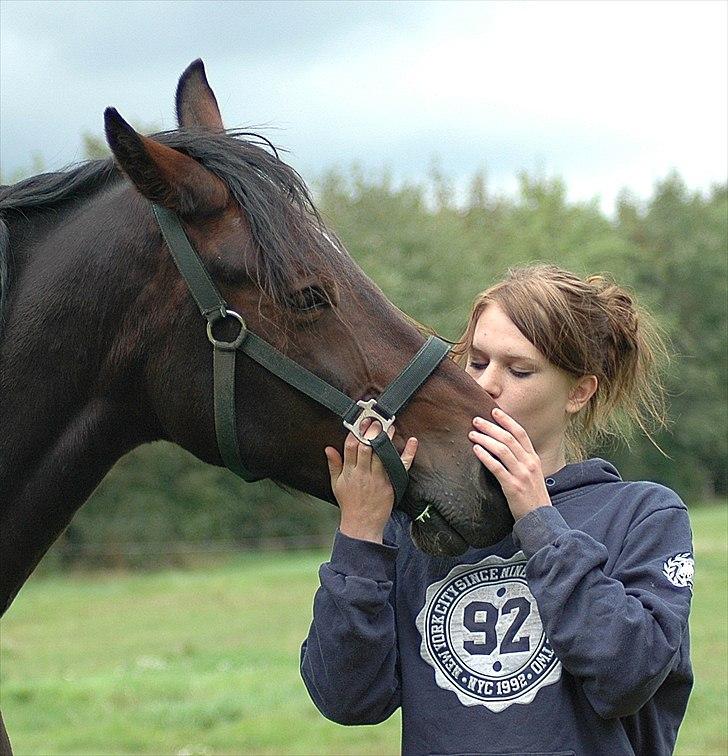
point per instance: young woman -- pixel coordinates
(570, 636)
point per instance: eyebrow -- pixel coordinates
(509, 355)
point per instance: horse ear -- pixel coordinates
(196, 104)
(161, 174)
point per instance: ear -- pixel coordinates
(161, 174)
(196, 104)
(581, 392)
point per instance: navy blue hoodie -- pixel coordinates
(570, 636)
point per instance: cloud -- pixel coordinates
(100, 37)
(605, 94)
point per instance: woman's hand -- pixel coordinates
(361, 484)
(508, 453)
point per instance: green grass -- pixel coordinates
(705, 729)
(206, 661)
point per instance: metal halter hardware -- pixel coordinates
(228, 344)
(214, 309)
(368, 411)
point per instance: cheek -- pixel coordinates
(530, 393)
(535, 406)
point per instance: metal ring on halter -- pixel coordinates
(228, 345)
(424, 514)
(368, 411)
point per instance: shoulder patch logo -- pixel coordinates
(679, 570)
(482, 634)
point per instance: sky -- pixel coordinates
(606, 95)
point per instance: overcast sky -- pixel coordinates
(605, 94)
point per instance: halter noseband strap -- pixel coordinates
(214, 308)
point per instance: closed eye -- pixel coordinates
(309, 299)
(484, 365)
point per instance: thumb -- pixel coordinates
(335, 463)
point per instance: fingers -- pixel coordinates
(335, 463)
(356, 454)
(361, 456)
(371, 430)
(501, 451)
(512, 428)
(492, 462)
(509, 441)
(408, 453)
(351, 452)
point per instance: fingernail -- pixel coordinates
(478, 420)
(496, 411)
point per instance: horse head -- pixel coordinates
(251, 220)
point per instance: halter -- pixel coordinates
(214, 309)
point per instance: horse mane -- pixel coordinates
(288, 231)
(4, 267)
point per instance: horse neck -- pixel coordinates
(66, 416)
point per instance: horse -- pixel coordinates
(102, 348)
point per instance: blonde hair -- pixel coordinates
(587, 327)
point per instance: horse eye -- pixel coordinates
(310, 298)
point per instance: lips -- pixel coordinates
(436, 536)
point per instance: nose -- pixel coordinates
(488, 380)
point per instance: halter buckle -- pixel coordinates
(368, 411)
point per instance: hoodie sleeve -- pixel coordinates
(621, 633)
(349, 661)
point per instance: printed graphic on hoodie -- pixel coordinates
(679, 570)
(482, 634)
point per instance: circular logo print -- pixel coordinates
(482, 634)
(680, 570)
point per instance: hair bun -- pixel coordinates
(617, 302)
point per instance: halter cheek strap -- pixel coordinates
(214, 309)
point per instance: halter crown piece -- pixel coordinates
(214, 309)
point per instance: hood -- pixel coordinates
(580, 474)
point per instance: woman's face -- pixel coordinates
(520, 380)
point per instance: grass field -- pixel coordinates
(206, 661)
